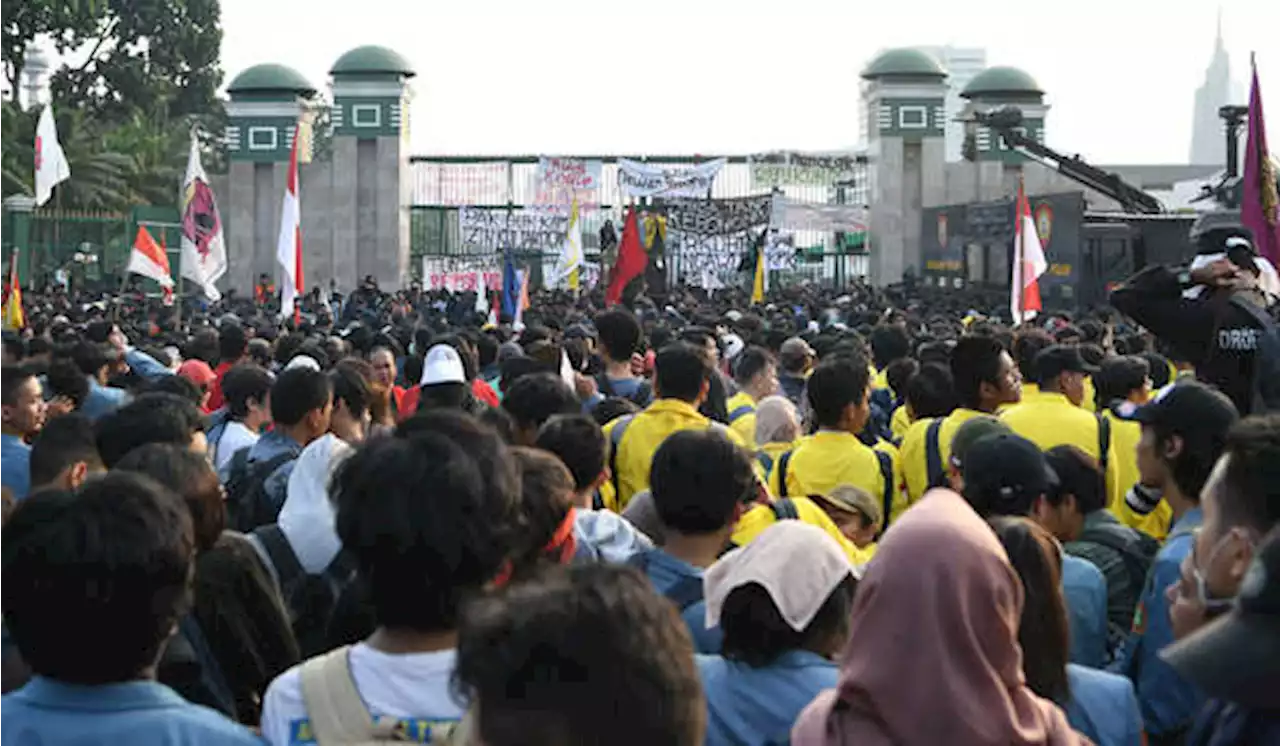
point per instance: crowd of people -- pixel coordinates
(860, 517)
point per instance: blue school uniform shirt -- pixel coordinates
(48, 713)
(1104, 707)
(15, 465)
(670, 577)
(1085, 589)
(749, 706)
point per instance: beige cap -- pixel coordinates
(856, 499)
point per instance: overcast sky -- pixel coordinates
(719, 76)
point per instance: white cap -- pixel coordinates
(732, 345)
(443, 365)
(303, 361)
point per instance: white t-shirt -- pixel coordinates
(413, 688)
(234, 437)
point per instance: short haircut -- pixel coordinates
(1043, 630)
(899, 374)
(1079, 475)
(1252, 478)
(178, 386)
(697, 479)
(190, 477)
(151, 418)
(244, 383)
(974, 361)
(94, 580)
(889, 342)
(546, 496)
(232, 342)
(1068, 332)
(931, 392)
(535, 398)
(612, 408)
(620, 334)
(834, 385)
(12, 378)
(1159, 368)
(750, 363)
(90, 357)
(547, 661)
(428, 516)
(579, 442)
(756, 634)
(99, 331)
(1118, 377)
(680, 370)
(351, 386)
(296, 393)
(63, 442)
(1027, 344)
(65, 379)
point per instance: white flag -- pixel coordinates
(204, 250)
(289, 246)
(482, 295)
(51, 163)
(570, 259)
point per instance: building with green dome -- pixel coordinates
(996, 88)
(265, 103)
(370, 92)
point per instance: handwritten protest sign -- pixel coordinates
(524, 229)
(558, 181)
(711, 236)
(460, 183)
(459, 275)
(638, 179)
(780, 252)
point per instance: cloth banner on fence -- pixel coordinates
(804, 216)
(780, 252)
(644, 180)
(521, 229)
(458, 275)
(559, 181)
(785, 169)
(711, 236)
(458, 184)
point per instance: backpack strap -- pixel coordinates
(740, 412)
(933, 454)
(605, 385)
(615, 444)
(784, 509)
(886, 477)
(1104, 441)
(783, 460)
(335, 708)
(765, 461)
(277, 554)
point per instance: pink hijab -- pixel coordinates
(934, 655)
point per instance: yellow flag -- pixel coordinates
(757, 287)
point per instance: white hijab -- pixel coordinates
(307, 518)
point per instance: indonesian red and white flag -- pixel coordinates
(1028, 263)
(149, 259)
(51, 164)
(289, 247)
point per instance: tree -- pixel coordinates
(100, 178)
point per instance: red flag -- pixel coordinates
(1260, 207)
(149, 259)
(631, 260)
(1028, 263)
(289, 246)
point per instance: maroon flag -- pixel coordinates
(1260, 208)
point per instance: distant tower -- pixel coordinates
(1206, 128)
(962, 65)
(35, 76)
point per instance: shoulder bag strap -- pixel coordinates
(783, 460)
(886, 475)
(1104, 441)
(934, 470)
(337, 712)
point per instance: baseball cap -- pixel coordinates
(197, 372)
(855, 500)
(1055, 360)
(302, 361)
(1236, 657)
(731, 345)
(770, 560)
(1189, 407)
(443, 365)
(1004, 474)
(970, 432)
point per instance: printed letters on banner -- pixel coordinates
(525, 229)
(458, 184)
(780, 252)
(643, 180)
(559, 180)
(718, 217)
(459, 275)
(782, 169)
(804, 216)
(712, 236)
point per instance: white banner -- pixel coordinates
(525, 229)
(454, 275)
(643, 180)
(782, 169)
(559, 181)
(780, 252)
(804, 216)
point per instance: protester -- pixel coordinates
(23, 409)
(620, 339)
(246, 389)
(547, 515)
(777, 426)
(1124, 384)
(795, 360)
(151, 418)
(756, 374)
(533, 400)
(64, 454)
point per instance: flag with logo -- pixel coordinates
(289, 247)
(52, 167)
(1260, 206)
(14, 318)
(1028, 263)
(204, 249)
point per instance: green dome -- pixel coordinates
(905, 62)
(372, 59)
(270, 77)
(1003, 81)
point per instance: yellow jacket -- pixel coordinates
(825, 460)
(760, 517)
(899, 423)
(1050, 419)
(1124, 436)
(641, 434)
(914, 451)
(742, 417)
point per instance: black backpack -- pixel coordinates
(248, 504)
(1134, 547)
(309, 598)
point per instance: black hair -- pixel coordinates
(1201, 448)
(190, 477)
(834, 385)
(579, 442)
(1092, 353)
(65, 379)
(1078, 475)
(899, 374)
(428, 516)
(351, 387)
(750, 363)
(620, 334)
(756, 634)
(232, 342)
(244, 383)
(501, 422)
(533, 399)
(99, 331)
(1027, 344)
(12, 378)
(446, 396)
(1065, 333)
(178, 386)
(62, 442)
(486, 349)
(931, 392)
(546, 496)
(1252, 479)
(547, 661)
(90, 358)
(1158, 367)
(1093, 331)
(889, 342)
(975, 360)
(680, 371)
(297, 392)
(94, 580)
(612, 408)
(259, 352)
(151, 418)
(1118, 377)
(697, 479)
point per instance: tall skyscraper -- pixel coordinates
(962, 65)
(1207, 134)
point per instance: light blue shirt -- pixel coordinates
(1085, 589)
(757, 706)
(15, 465)
(102, 400)
(1168, 701)
(1104, 707)
(50, 713)
(672, 577)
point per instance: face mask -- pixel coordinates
(1202, 585)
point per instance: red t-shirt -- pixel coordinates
(408, 403)
(215, 391)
